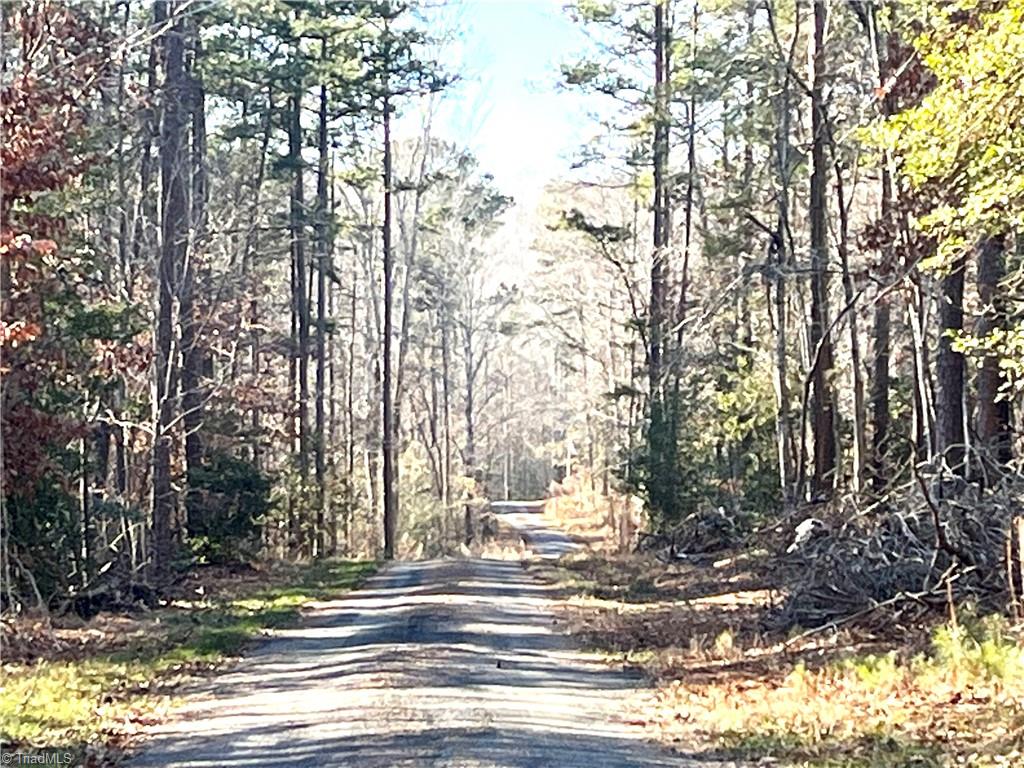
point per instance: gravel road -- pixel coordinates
(444, 663)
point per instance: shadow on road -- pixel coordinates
(435, 663)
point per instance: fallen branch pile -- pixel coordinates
(915, 551)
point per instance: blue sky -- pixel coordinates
(506, 108)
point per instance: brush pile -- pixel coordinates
(909, 554)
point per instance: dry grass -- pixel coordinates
(604, 520)
(856, 698)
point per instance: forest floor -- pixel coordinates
(873, 695)
(90, 688)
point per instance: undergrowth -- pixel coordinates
(875, 696)
(88, 703)
(959, 703)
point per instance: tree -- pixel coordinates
(823, 416)
(949, 373)
(173, 249)
(323, 246)
(393, 71)
(993, 418)
(192, 352)
(954, 144)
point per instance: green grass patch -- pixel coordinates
(961, 703)
(85, 701)
(876, 750)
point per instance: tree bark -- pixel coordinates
(191, 352)
(860, 443)
(918, 304)
(150, 125)
(779, 258)
(301, 312)
(469, 452)
(949, 373)
(822, 404)
(993, 417)
(879, 395)
(660, 168)
(446, 406)
(322, 234)
(174, 242)
(350, 415)
(249, 265)
(661, 470)
(390, 513)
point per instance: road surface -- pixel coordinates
(444, 663)
(542, 540)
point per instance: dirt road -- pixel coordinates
(452, 663)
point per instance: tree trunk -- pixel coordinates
(390, 513)
(691, 173)
(124, 212)
(860, 443)
(150, 120)
(174, 242)
(301, 312)
(691, 177)
(993, 417)
(191, 352)
(332, 383)
(661, 467)
(924, 395)
(469, 453)
(249, 265)
(822, 405)
(880, 385)
(446, 408)
(660, 152)
(949, 373)
(372, 332)
(322, 234)
(779, 305)
(350, 416)
(880, 396)
(506, 418)
(87, 562)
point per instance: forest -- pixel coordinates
(259, 306)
